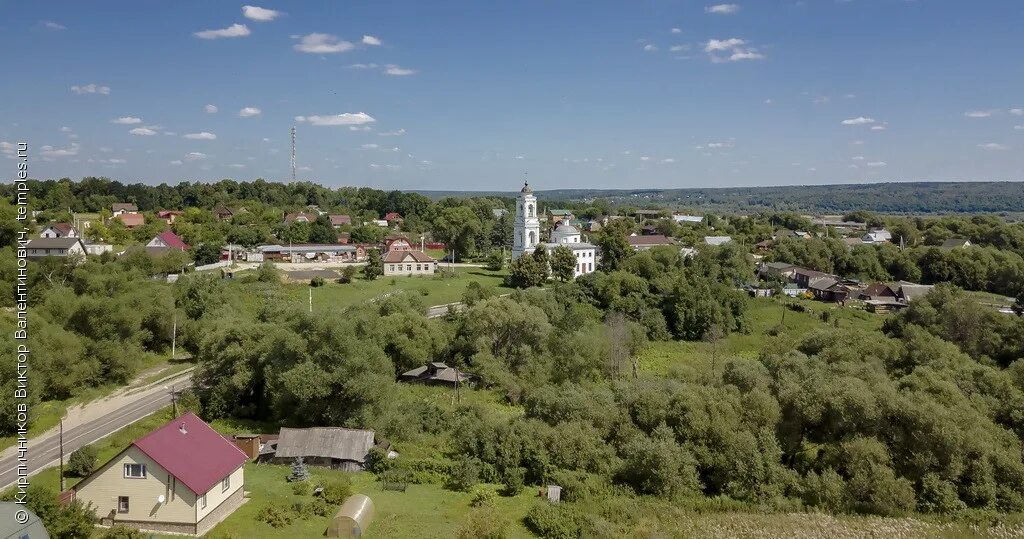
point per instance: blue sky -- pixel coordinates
(469, 94)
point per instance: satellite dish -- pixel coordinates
(161, 499)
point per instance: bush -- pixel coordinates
(320, 507)
(464, 475)
(317, 281)
(482, 497)
(275, 516)
(555, 521)
(377, 461)
(336, 490)
(939, 496)
(512, 482)
(82, 461)
(347, 274)
(121, 531)
(484, 523)
(495, 261)
(302, 488)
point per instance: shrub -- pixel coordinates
(320, 507)
(484, 523)
(302, 488)
(275, 516)
(377, 461)
(939, 496)
(512, 482)
(555, 521)
(82, 461)
(495, 261)
(482, 497)
(464, 475)
(347, 274)
(336, 490)
(316, 281)
(424, 291)
(121, 531)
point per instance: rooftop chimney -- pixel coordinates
(182, 429)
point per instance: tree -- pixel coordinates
(321, 231)
(458, 227)
(563, 263)
(525, 272)
(347, 274)
(299, 471)
(495, 261)
(374, 265)
(82, 461)
(614, 246)
(540, 254)
(206, 253)
(267, 272)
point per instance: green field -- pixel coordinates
(764, 317)
(435, 290)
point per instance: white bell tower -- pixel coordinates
(527, 224)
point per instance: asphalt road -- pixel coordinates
(45, 451)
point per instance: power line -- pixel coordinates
(293, 154)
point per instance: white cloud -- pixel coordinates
(714, 45)
(176, 162)
(1017, 112)
(645, 158)
(370, 146)
(249, 112)
(237, 165)
(235, 30)
(371, 40)
(722, 9)
(668, 160)
(677, 30)
(363, 66)
(736, 48)
(1019, 127)
(878, 127)
(115, 161)
(105, 149)
(210, 109)
(650, 47)
(91, 89)
(679, 48)
(200, 136)
(397, 71)
(260, 14)
(348, 118)
(50, 151)
(768, 101)
(978, 113)
(52, 25)
(876, 164)
(860, 120)
(143, 131)
(857, 142)
(126, 120)
(195, 156)
(316, 43)
(396, 133)
(858, 158)
(993, 146)
(266, 139)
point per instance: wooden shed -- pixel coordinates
(352, 518)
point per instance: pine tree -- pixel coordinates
(299, 471)
(374, 266)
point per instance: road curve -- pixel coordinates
(44, 451)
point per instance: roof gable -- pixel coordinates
(193, 452)
(172, 240)
(333, 442)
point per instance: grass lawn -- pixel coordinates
(435, 290)
(763, 315)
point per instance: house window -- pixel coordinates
(135, 471)
(408, 267)
(225, 484)
(202, 501)
(418, 267)
(122, 504)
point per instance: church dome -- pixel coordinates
(566, 229)
(526, 188)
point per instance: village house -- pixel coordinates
(776, 270)
(803, 277)
(329, 447)
(956, 243)
(131, 220)
(689, 219)
(119, 208)
(408, 262)
(182, 478)
(397, 242)
(97, 248)
(340, 220)
(649, 241)
(61, 247)
(566, 235)
(60, 230)
(393, 218)
(168, 240)
(717, 240)
(169, 216)
(436, 374)
(877, 235)
(793, 234)
(299, 217)
(557, 216)
(312, 253)
(224, 213)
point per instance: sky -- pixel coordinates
(470, 95)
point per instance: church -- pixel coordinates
(527, 235)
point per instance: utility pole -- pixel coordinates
(458, 394)
(293, 154)
(174, 401)
(310, 299)
(174, 336)
(61, 442)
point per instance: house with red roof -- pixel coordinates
(182, 478)
(169, 216)
(168, 240)
(131, 220)
(393, 217)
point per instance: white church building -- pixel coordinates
(527, 235)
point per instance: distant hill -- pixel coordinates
(912, 198)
